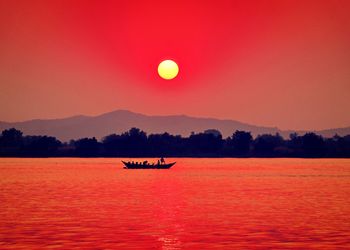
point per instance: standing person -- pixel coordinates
(162, 161)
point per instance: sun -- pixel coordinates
(168, 69)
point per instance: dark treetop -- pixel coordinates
(136, 143)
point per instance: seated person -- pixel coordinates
(162, 161)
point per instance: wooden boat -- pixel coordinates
(141, 165)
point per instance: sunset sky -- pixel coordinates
(273, 63)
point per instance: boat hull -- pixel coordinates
(148, 166)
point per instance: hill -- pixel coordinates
(121, 120)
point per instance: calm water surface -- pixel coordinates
(198, 204)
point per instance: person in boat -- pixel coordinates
(145, 163)
(162, 161)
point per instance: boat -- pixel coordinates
(146, 165)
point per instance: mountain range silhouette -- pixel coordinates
(122, 120)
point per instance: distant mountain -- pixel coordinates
(121, 120)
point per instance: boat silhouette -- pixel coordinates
(146, 165)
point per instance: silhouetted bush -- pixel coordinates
(11, 142)
(87, 147)
(312, 145)
(136, 143)
(268, 145)
(206, 144)
(40, 146)
(240, 144)
(166, 145)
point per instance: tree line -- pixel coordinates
(210, 143)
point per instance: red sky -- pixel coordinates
(274, 63)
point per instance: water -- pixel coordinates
(198, 204)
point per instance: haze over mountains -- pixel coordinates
(120, 121)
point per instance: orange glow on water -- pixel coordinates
(198, 204)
